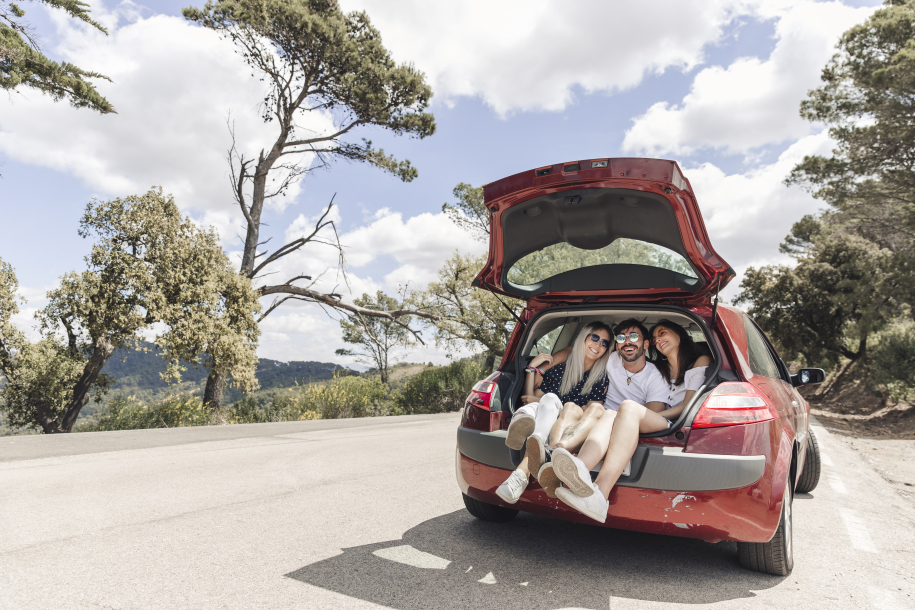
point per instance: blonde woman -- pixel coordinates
(579, 382)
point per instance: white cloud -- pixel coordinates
(419, 246)
(748, 215)
(531, 55)
(752, 102)
(175, 85)
(303, 332)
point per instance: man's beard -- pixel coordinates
(639, 352)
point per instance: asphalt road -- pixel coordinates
(367, 514)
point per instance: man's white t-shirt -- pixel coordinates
(645, 386)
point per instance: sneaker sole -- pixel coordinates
(548, 480)
(566, 497)
(567, 472)
(535, 453)
(518, 431)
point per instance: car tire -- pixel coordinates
(776, 556)
(488, 512)
(810, 476)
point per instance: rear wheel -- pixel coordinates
(810, 476)
(776, 556)
(488, 512)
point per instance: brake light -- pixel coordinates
(734, 403)
(481, 394)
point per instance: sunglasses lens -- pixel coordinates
(621, 338)
(634, 337)
(597, 339)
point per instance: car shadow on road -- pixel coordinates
(456, 561)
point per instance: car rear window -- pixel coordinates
(559, 258)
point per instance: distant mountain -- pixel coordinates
(137, 373)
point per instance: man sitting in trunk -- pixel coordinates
(631, 377)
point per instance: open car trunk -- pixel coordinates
(557, 327)
(624, 230)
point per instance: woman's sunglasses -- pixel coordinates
(597, 338)
(634, 337)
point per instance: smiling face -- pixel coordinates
(665, 340)
(629, 351)
(595, 349)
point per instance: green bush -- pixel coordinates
(441, 389)
(127, 413)
(893, 361)
(345, 396)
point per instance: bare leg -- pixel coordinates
(569, 415)
(631, 419)
(595, 447)
(524, 466)
(574, 436)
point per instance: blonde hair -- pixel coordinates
(576, 362)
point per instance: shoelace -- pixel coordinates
(515, 484)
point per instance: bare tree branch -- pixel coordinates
(336, 303)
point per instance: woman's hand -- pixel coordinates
(529, 399)
(541, 359)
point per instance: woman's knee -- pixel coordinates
(631, 407)
(594, 410)
(571, 410)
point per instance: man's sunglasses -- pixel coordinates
(597, 338)
(634, 337)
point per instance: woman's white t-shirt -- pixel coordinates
(692, 380)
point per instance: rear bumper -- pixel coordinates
(712, 497)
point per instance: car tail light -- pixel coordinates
(482, 392)
(734, 403)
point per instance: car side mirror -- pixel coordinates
(808, 377)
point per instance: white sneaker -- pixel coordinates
(521, 427)
(594, 506)
(572, 472)
(513, 487)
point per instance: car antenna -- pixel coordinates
(510, 310)
(715, 306)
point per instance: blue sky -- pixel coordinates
(716, 87)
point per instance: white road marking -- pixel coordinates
(407, 555)
(857, 531)
(835, 481)
(489, 579)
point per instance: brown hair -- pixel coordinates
(687, 354)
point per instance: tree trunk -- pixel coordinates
(212, 395)
(100, 355)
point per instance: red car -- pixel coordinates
(610, 239)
